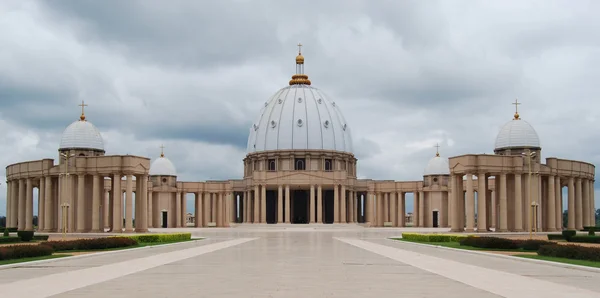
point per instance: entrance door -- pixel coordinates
(164, 219)
(435, 219)
(328, 211)
(300, 207)
(271, 207)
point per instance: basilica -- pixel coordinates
(300, 169)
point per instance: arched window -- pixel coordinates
(328, 165)
(81, 154)
(272, 165)
(300, 164)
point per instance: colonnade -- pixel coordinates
(212, 209)
(522, 202)
(78, 203)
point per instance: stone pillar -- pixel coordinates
(41, 204)
(593, 202)
(178, 209)
(470, 208)
(343, 204)
(256, 197)
(9, 185)
(14, 206)
(246, 207)
(106, 203)
(336, 204)
(183, 209)
(422, 209)
(29, 206)
(129, 203)
(481, 203)
(96, 204)
(392, 211)
(386, 207)
(551, 205)
(319, 204)
(263, 204)
(369, 205)
(227, 206)
(416, 209)
(503, 200)
(578, 205)
(586, 203)
(518, 216)
(219, 218)
(312, 204)
(143, 205)
(48, 214)
(22, 205)
(350, 207)
(280, 204)
(401, 210)
(199, 221)
(206, 208)
(80, 216)
(150, 214)
(287, 204)
(558, 202)
(379, 209)
(117, 204)
(571, 211)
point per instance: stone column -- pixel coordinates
(280, 204)
(518, 204)
(586, 203)
(206, 208)
(263, 204)
(350, 207)
(470, 208)
(401, 210)
(503, 200)
(319, 204)
(287, 204)
(256, 197)
(481, 203)
(41, 204)
(227, 206)
(371, 209)
(29, 206)
(392, 210)
(416, 209)
(336, 204)
(219, 218)
(312, 204)
(571, 211)
(342, 198)
(422, 209)
(48, 204)
(593, 202)
(199, 210)
(14, 206)
(551, 205)
(386, 207)
(80, 216)
(129, 203)
(578, 205)
(95, 204)
(22, 205)
(9, 203)
(178, 210)
(117, 203)
(150, 214)
(106, 203)
(246, 207)
(558, 202)
(379, 209)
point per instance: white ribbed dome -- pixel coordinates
(162, 166)
(437, 166)
(81, 134)
(517, 133)
(300, 117)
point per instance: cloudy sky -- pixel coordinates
(192, 75)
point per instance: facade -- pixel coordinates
(300, 169)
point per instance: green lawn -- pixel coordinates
(129, 247)
(13, 261)
(457, 245)
(562, 260)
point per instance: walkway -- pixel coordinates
(342, 261)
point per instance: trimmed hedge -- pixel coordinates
(12, 230)
(570, 252)
(10, 239)
(585, 239)
(91, 244)
(432, 237)
(41, 237)
(592, 228)
(489, 242)
(555, 237)
(160, 238)
(24, 251)
(25, 235)
(5, 233)
(567, 234)
(531, 244)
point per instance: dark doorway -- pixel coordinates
(164, 219)
(328, 206)
(271, 206)
(435, 219)
(299, 207)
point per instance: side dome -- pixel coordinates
(162, 166)
(437, 166)
(517, 133)
(81, 134)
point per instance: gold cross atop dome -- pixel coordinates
(299, 78)
(162, 151)
(516, 103)
(437, 149)
(299, 49)
(82, 105)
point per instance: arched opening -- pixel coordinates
(328, 211)
(271, 206)
(164, 219)
(435, 218)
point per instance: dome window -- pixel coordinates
(344, 127)
(319, 101)
(255, 126)
(333, 103)
(266, 104)
(300, 164)
(326, 123)
(328, 165)
(299, 99)
(300, 122)
(164, 180)
(273, 123)
(280, 101)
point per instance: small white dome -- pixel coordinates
(300, 117)
(81, 134)
(517, 133)
(162, 167)
(437, 166)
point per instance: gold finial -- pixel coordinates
(299, 58)
(299, 78)
(162, 151)
(437, 149)
(82, 105)
(516, 103)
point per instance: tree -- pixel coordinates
(565, 219)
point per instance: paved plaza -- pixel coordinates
(295, 261)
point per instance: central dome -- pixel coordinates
(517, 133)
(300, 117)
(81, 134)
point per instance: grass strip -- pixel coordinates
(14, 261)
(562, 260)
(134, 246)
(458, 246)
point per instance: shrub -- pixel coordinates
(531, 244)
(160, 238)
(489, 242)
(12, 230)
(24, 251)
(25, 235)
(6, 234)
(591, 233)
(432, 237)
(41, 237)
(555, 237)
(585, 239)
(592, 228)
(10, 239)
(570, 252)
(568, 234)
(90, 244)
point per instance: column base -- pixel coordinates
(130, 230)
(456, 230)
(96, 231)
(502, 230)
(469, 230)
(80, 231)
(117, 231)
(518, 230)
(141, 230)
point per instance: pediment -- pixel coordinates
(457, 168)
